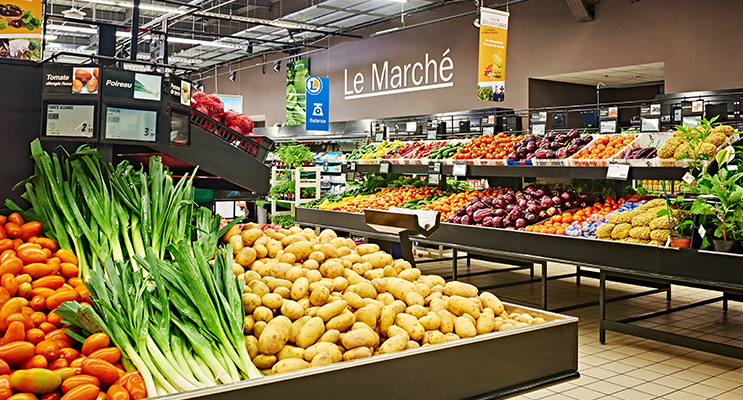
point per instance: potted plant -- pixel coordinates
(680, 225)
(720, 203)
(700, 151)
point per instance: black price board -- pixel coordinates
(131, 85)
(180, 91)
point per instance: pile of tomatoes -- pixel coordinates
(37, 356)
(489, 147)
(558, 224)
(449, 205)
(384, 199)
(604, 147)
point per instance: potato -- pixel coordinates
(318, 256)
(396, 330)
(416, 311)
(358, 338)
(367, 249)
(410, 275)
(341, 322)
(321, 359)
(290, 352)
(394, 344)
(412, 345)
(261, 268)
(433, 281)
(272, 301)
(295, 273)
(331, 269)
(414, 298)
(411, 325)
(275, 335)
(506, 326)
(486, 323)
(237, 244)
(283, 292)
(354, 300)
(312, 311)
(263, 313)
(361, 268)
(459, 305)
(525, 318)
(330, 310)
(250, 236)
(261, 241)
(388, 271)
(324, 347)
(385, 298)
(310, 332)
(460, 289)
(299, 288)
(273, 246)
(328, 283)
(387, 318)
(330, 336)
(353, 258)
(234, 230)
(378, 259)
(296, 326)
(248, 324)
(470, 318)
(311, 265)
(430, 321)
(292, 310)
(447, 321)
(464, 327)
(400, 288)
(263, 361)
(437, 337)
(433, 296)
(537, 320)
(355, 354)
(329, 250)
(288, 365)
(365, 290)
(251, 276)
(344, 263)
(368, 315)
(251, 301)
(280, 269)
(319, 296)
(313, 276)
(422, 289)
(259, 327)
(251, 344)
(301, 250)
(374, 274)
(340, 284)
(246, 256)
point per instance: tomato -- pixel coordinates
(87, 391)
(47, 327)
(4, 367)
(69, 354)
(15, 333)
(38, 317)
(48, 349)
(7, 254)
(58, 364)
(117, 392)
(51, 282)
(59, 334)
(13, 230)
(47, 243)
(5, 244)
(83, 292)
(66, 256)
(30, 229)
(4, 295)
(8, 282)
(77, 380)
(6, 389)
(103, 370)
(43, 292)
(35, 362)
(12, 265)
(38, 269)
(95, 342)
(19, 317)
(110, 354)
(134, 384)
(35, 335)
(66, 373)
(102, 396)
(38, 303)
(51, 396)
(36, 380)
(77, 363)
(69, 270)
(58, 298)
(23, 396)
(16, 219)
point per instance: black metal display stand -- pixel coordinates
(401, 224)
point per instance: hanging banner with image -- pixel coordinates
(20, 29)
(491, 72)
(296, 101)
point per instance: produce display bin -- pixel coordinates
(256, 146)
(490, 366)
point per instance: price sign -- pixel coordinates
(434, 179)
(434, 168)
(732, 167)
(488, 130)
(688, 178)
(384, 168)
(702, 231)
(131, 124)
(459, 169)
(617, 172)
(379, 137)
(431, 135)
(351, 167)
(70, 120)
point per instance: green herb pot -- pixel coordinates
(681, 243)
(727, 246)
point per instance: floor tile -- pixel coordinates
(618, 367)
(625, 381)
(682, 395)
(728, 396)
(583, 394)
(673, 382)
(605, 387)
(690, 376)
(599, 373)
(654, 389)
(709, 369)
(662, 368)
(632, 394)
(704, 391)
(644, 374)
(722, 383)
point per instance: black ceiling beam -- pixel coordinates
(296, 44)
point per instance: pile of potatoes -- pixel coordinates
(314, 300)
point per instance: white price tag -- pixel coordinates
(433, 179)
(459, 169)
(702, 231)
(351, 167)
(431, 135)
(384, 168)
(688, 178)
(617, 172)
(732, 167)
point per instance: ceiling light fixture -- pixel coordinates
(277, 67)
(50, 37)
(291, 37)
(385, 32)
(233, 76)
(259, 21)
(250, 47)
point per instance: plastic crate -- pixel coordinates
(256, 146)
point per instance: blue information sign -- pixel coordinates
(318, 107)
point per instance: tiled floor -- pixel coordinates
(627, 367)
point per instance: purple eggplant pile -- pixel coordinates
(642, 153)
(551, 146)
(517, 209)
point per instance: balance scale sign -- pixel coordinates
(318, 101)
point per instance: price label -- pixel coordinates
(617, 172)
(491, 119)
(732, 167)
(379, 137)
(702, 231)
(688, 178)
(435, 167)
(459, 169)
(434, 179)
(431, 135)
(351, 167)
(384, 168)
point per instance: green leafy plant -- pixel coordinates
(677, 212)
(726, 213)
(294, 154)
(695, 138)
(283, 220)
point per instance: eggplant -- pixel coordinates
(461, 211)
(470, 209)
(561, 153)
(530, 189)
(529, 155)
(587, 139)
(520, 223)
(573, 134)
(545, 145)
(583, 204)
(531, 146)
(568, 196)
(466, 220)
(541, 153)
(551, 211)
(511, 207)
(546, 202)
(572, 149)
(522, 202)
(531, 217)
(550, 135)
(514, 214)
(497, 222)
(513, 156)
(543, 214)
(513, 228)
(452, 218)
(652, 154)
(529, 138)
(480, 215)
(506, 222)
(457, 219)
(479, 205)
(533, 208)
(561, 138)
(487, 221)
(550, 155)
(487, 200)
(499, 202)
(509, 198)
(500, 212)
(540, 192)
(557, 200)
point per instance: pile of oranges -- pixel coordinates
(558, 224)
(604, 147)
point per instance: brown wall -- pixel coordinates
(696, 40)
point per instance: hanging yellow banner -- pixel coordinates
(491, 71)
